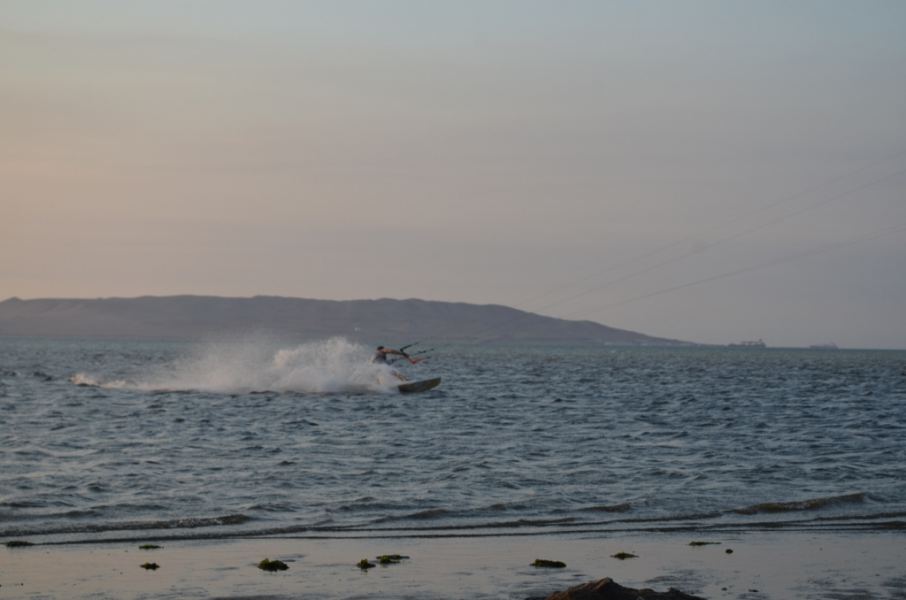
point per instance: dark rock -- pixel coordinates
(608, 589)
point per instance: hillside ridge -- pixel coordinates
(196, 316)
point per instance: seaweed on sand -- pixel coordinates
(548, 564)
(390, 559)
(272, 565)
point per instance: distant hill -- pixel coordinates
(384, 320)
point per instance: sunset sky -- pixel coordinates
(711, 171)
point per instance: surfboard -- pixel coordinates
(413, 387)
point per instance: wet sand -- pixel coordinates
(783, 565)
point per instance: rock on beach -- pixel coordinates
(608, 589)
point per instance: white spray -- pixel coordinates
(333, 365)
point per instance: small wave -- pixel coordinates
(440, 513)
(431, 513)
(184, 523)
(275, 507)
(27, 504)
(130, 507)
(499, 507)
(679, 518)
(363, 504)
(609, 508)
(800, 505)
(422, 515)
(76, 513)
(325, 530)
(865, 517)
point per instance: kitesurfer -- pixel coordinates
(382, 352)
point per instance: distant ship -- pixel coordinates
(829, 346)
(759, 343)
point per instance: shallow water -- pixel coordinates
(134, 440)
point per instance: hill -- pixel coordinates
(386, 320)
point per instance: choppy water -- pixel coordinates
(130, 440)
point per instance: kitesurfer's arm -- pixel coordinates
(411, 360)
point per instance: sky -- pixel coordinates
(712, 171)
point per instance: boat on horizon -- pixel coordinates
(759, 343)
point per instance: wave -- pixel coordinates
(482, 519)
(335, 365)
(188, 529)
(421, 515)
(446, 522)
(801, 505)
(609, 508)
(183, 523)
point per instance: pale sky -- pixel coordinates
(711, 171)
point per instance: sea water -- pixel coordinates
(151, 440)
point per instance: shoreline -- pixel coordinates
(224, 528)
(762, 565)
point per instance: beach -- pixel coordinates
(845, 566)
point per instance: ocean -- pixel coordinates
(120, 440)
